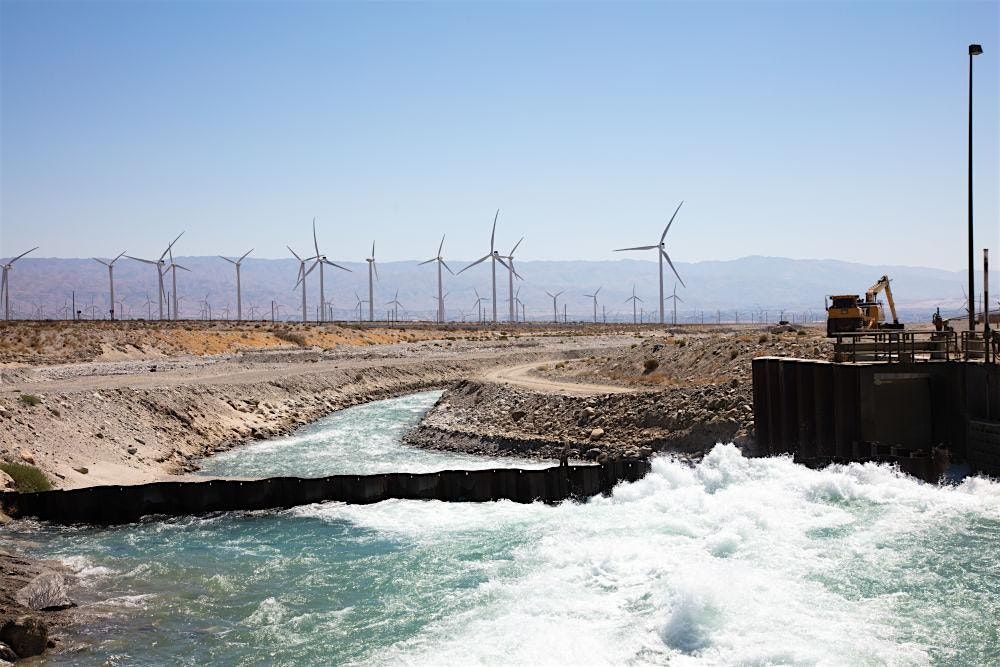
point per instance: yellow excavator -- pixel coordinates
(848, 312)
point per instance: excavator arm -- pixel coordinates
(873, 292)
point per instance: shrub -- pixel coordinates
(681, 342)
(762, 339)
(30, 400)
(650, 365)
(28, 478)
(291, 337)
(733, 353)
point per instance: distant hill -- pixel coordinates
(747, 285)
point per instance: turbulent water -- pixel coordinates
(733, 561)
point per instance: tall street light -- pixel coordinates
(974, 50)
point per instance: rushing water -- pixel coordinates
(733, 561)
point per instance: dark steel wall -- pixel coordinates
(122, 504)
(821, 411)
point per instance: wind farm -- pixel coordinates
(719, 388)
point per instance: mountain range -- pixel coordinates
(753, 287)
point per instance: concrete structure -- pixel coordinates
(823, 412)
(123, 504)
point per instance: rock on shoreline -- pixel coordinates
(501, 420)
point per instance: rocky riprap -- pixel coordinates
(503, 420)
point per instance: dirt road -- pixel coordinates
(521, 376)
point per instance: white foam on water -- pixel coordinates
(732, 561)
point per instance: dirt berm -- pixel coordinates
(503, 420)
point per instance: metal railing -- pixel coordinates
(896, 346)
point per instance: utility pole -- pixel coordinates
(974, 50)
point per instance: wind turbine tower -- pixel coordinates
(494, 256)
(634, 299)
(302, 280)
(594, 297)
(661, 255)
(111, 280)
(372, 277)
(511, 272)
(5, 282)
(440, 262)
(555, 308)
(239, 290)
(321, 260)
(675, 299)
(159, 264)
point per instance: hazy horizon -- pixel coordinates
(805, 130)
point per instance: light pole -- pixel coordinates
(974, 50)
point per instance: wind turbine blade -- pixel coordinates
(293, 252)
(441, 246)
(375, 267)
(373, 249)
(494, 232)
(640, 247)
(326, 261)
(516, 274)
(311, 269)
(478, 261)
(245, 255)
(667, 229)
(182, 268)
(100, 260)
(511, 253)
(445, 265)
(667, 257)
(144, 261)
(550, 294)
(118, 257)
(171, 245)
(432, 259)
(504, 264)
(679, 299)
(315, 242)
(560, 292)
(477, 293)
(227, 259)
(22, 255)
(598, 290)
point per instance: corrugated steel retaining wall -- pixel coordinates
(123, 504)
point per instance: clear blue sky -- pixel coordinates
(799, 129)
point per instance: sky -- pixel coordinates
(797, 129)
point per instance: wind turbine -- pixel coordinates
(634, 299)
(373, 270)
(302, 280)
(321, 260)
(594, 297)
(555, 309)
(159, 264)
(675, 299)
(440, 262)
(359, 304)
(239, 291)
(395, 305)
(442, 298)
(478, 304)
(511, 272)
(661, 255)
(111, 279)
(5, 282)
(518, 302)
(495, 256)
(172, 267)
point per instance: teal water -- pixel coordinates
(733, 561)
